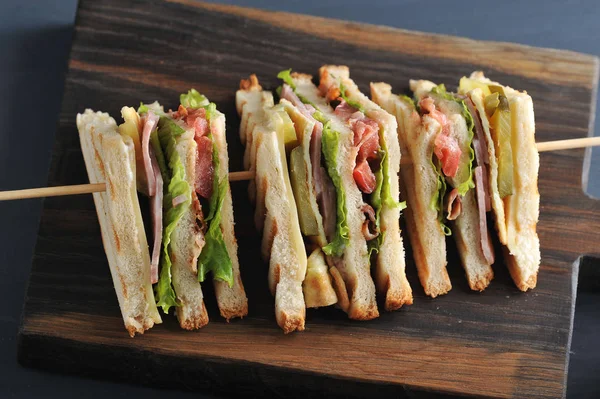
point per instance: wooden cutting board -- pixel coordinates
(500, 343)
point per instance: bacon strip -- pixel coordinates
(446, 148)
(453, 204)
(369, 227)
(366, 140)
(149, 126)
(486, 245)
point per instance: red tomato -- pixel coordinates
(364, 177)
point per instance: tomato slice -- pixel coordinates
(364, 177)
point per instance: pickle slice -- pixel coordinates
(466, 85)
(501, 135)
(491, 102)
(299, 180)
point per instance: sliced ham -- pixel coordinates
(446, 148)
(345, 111)
(150, 123)
(155, 190)
(369, 227)
(305, 109)
(327, 205)
(324, 188)
(453, 204)
(486, 245)
(156, 204)
(481, 154)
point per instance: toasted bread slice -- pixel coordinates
(354, 265)
(250, 103)
(282, 242)
(110, 159)
(317, 287)
(187, 241)
(418, 186)
(232, 301)
(516, 215)
(390, 275)
(465, 228)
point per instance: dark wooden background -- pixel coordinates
(499, 343)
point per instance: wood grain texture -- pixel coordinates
(500, 343)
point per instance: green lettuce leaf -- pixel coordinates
(437, 202)
(468, 182)
(353, 104)
(408, 100)
(176, 185)
(192, 99)
(286, 76)
(329, 145)
(214, 256)
(143, 108)
(382, 195)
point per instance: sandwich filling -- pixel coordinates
(161, 175)
(458, 173)
(493, 108)
(330, 195)
(370, 171)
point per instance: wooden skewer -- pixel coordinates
(568, 144)
(249, 175)
(85, 188)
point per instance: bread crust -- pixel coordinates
(232, 301)
(465, 228)
(517, 215)
(276, 214)
(110, 159)
(418, 184)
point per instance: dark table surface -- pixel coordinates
(35, 38)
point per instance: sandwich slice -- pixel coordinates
(199, 238)
(507, 131)
(262, 131)
(347, 221)
(419, 187)
(461, 169)
(180, 162)
(376, 174)
(111, 158)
